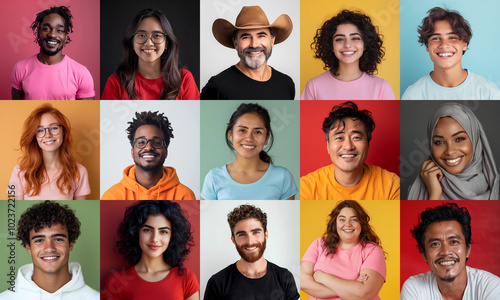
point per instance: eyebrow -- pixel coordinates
(451, 237)
(248, 34)
(251, 230)
(455, 134)
(352, 131)
(247, 127)
(351, 34)
(44, 236)
(166, 227)
(142, 136)
(449, 33)
(50, 25)
(346, 217)
(154, 31)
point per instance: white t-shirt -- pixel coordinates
(481, 285)
(474, 87)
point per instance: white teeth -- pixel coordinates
(52, 43)
(452, 161)
(348, 53)
(248, 147)
(349, 231)
(445, 54)
(149, 51)
(447, 263)
(250, 249)
(49, 258)
(347, 156)
(148, 156)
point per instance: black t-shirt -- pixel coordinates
(232, 84)
(229, 283)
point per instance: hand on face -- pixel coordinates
(432, 176)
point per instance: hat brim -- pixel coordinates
(223, 30)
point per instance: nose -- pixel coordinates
(149, 40)
(348, 144)
(254, 43)
(49, 246)
(53, 32)
(450, 149)
(154, 236)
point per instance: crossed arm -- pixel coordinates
(322, 285)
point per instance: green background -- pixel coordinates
(285, 123)
(85, 250)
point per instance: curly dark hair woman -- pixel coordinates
(155, 236)
(351, 48)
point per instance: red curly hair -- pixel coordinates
(31, 161)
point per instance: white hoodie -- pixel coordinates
(75, 289)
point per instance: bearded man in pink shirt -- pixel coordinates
(50, 75)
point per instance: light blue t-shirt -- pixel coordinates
(474, 87)
(276, 184)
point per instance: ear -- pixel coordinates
(267, 234)
(272, 40)
(28, 248)
(267, 139)
(468, 252)
(328, 148)
(230, 135)
(132, 152)
(465, 47)
(427, 47)
(71, 246)
(232, 239)
(423, 256)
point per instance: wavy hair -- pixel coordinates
(367, 235)
(170, 67)
(31, 161)
(252, 108)
(323, 41)
(136, 216)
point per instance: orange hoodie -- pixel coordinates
(168, 188)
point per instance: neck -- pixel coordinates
(51, 160)
(149, 264)
(149, 70)
(349, 179)
(148, 179)
(248, 164)
(348, 72)
(263, 73)
(449, 77)
(455, 289)
(348, 244)
(252, 270)
(51, 282)
(50, 60)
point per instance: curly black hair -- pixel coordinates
(244, 212)
(44, 215)
(348, 109)
(323, 41)
(137, 215)
(150, 118)
(446, 212)
(63, 11)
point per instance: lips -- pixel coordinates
(254, 51)
(453, 162)
(154, 247)
(348, 53)
(250, 147)
(50, 259)
(148, 51)
(251, 248)
(445, 54)
(447, 262)
(52, 42)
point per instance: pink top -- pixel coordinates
(346, 264)
(49, 191)
(366, 87)
(149, 89)
(66, 80)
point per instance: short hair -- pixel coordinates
(366, 236)
(136, 216)
(44, 215)
(446, 212)
(150, 118)
(323, 41)
(459, 25)
(63, 11)
(348, 109)
(244, 212)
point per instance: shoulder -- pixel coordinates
(113, 78)
(478, 79)
(81, 168)
(115, 192)
(185, 73)
(229, 72)
(278, 270)
(216, 172)
(478, 276)
(25, 62)
(422, 280)
(223, 274)
(415, 90)
(75, 65)
(279, 75)
(8, 294)
(278, 170)
(376, 171)
(319, 174)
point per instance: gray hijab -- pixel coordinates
(479, 180)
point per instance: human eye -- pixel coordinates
(459, 139)
(140, 142)
(354, 220)
(146, 230)
(454, 242)
(258, 131)
(434, 244)
(141, 35)
(58, 240)
(40, 130)
(339, 39)
(356, 38)
(164, 231)
(339, 138)
(438, 142)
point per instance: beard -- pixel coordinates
(251, 257)
(149, 167)
(257, 61)
(50, 52)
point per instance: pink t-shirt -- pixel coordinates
(366, 87)
(49, 191)
(346, 264)
(66, 80)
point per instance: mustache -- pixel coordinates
(456, 259)
(252, 49)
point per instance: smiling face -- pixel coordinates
(49, 249)
(149, 158)
(254, 46)
(250, 239)
(249, 135)
(52, 34)
(348, 145)
(445, 47)
(348, 45)
(50, 142)
(149, 52)
(154, 236)
(451, 146)
(348, 226)
(445, 250)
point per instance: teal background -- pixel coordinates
(86, 248)
(285, 123)
(481, 55)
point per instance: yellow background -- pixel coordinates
(384, 14)
(84, 118)
(384, 216)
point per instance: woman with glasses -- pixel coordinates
(47, 168)
(155, 237)
(150, 68)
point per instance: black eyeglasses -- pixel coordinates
(53, 129)
(156, 37)
(155, 142)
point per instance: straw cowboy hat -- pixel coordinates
(251, 17)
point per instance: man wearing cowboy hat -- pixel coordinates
(251, 78)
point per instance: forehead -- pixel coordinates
(447, 125)
(47, 119)
(349, 125)
(248, 224)
(443, 229)
(250, 119)
(54, 19)
(53, 229)
(150, 24)
(347, 28)
(148, 131)
(347, 212)
(442, 26)
(157, 221)
(241, 32)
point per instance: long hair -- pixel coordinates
(170, 67)
(254, 108)
(367, 235)
(31, 161)
(137, 215)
